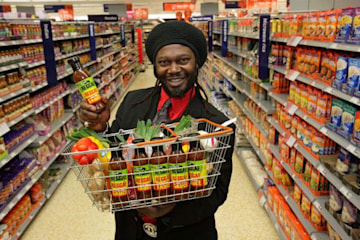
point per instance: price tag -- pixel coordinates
(291, 108)
(328, 89)
(262, 201)
(4, 128)
(252, 62)
(313, 237)
(317, 205)
(293, 175)
(333, 45)
(294, 41)
(313, 83)
(324, 130)
(345, 191)
(350, 148)
(292, 75)
(291, 141)
(322, 169)
(277, 227)
(305, 117)
(354, 100)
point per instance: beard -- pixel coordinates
(178, 92)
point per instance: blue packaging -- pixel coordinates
(347, 121)
(341, 72)
(353, 76)
(336, 113)
(355, 33)
(345, 25)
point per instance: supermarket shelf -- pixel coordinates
(242, 71)
(35, 64)
(28, 220)
(73, 88)
(14, 94)
(320, 205)
(70, 37)
(245, 35)
(54, 127)
(256, 186)
(34, 89)
(216, 43)
(106, 67)
(89, 63)
(130, 68)
(341, 141)
(320, 85)
(109, 54)
(76, 108)
(328, 45)
(264, 105)
(110, 44)
(100, 46)
(112, 79)
(21, 117)
(240, 99)
(40, 109)
(217, 32)
(241, 53)
(65, 169)
(281, 98)
(124, 91)
(106, 33)
(275, 222)
(18, 150)
(13, 66)
(26, 188)
(64, 75)
(19, 42)
(71, 54)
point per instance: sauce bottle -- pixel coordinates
(119, 182)
(86, 84)
(179, 172)
(141, 169)
(197, 167)
(160, 171)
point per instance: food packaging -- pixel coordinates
(345, 25)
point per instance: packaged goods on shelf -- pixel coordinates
(254, 166)
(37, 76)
(244, 25)
(15, 107)
(73, 100)
(106, 27)
(18, 134)
(16, 31)
(68, 29)
(41, 124)
(32, 53)
(12, 82)
(46, 96)
(12, 56)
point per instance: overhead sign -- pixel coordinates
(201, 18)
(141, 13)
(56, 8)
(261, 3)
(66, 14)
(5, 8)
(130, 15)
(178, 6)
(103, 18)
(235, 4)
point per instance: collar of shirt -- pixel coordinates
(178, 104)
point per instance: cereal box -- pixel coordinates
(331, 23)
(345, 25)
(355, 34)
(341, 72)
(320, 28)
(347, 120)
(356, 135)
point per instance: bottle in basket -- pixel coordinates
(118, 174)
(141, 168)
(179, 172)
(197, 167)
(159, 171)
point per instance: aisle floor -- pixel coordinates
(69, 213)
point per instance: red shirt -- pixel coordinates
(178, 104)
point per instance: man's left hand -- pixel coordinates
(157, 211)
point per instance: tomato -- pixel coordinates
(91, 156)
(84, 144)
(76, 157)
(84, 160)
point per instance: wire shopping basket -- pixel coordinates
(140, 174)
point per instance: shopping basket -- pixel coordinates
(174, 168)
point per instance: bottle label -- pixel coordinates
(179, 176)
(198, 174)
(160, 176)
(88, 90)
(119, 182)
(142, 178)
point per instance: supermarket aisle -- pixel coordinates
(69, 214)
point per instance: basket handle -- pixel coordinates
(225, 129)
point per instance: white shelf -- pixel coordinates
(43, 107)
(13, 66)
(34, 89)
(112, 79)
(237, 52)
(14, 94)
(36, 64)
(21, 117)
(19, 42)
(89, 63)
(76, 108)
(109, 54)
(18, 150)
(54, 127)
(59, 77)
(106, 33)
(70, 37)
(110, 44)
(71, 54)
(106, 67)
(245, 35)
(65, 169)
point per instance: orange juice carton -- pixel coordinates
(345, 25)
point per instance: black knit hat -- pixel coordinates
(177, 32)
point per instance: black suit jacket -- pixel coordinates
(189, 219)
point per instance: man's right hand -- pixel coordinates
(96, 118)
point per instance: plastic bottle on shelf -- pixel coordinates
(141, 168)
(179, 172)
(159, 171)
(86, 84)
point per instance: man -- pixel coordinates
(177, 51)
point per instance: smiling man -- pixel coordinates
(177, 51)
